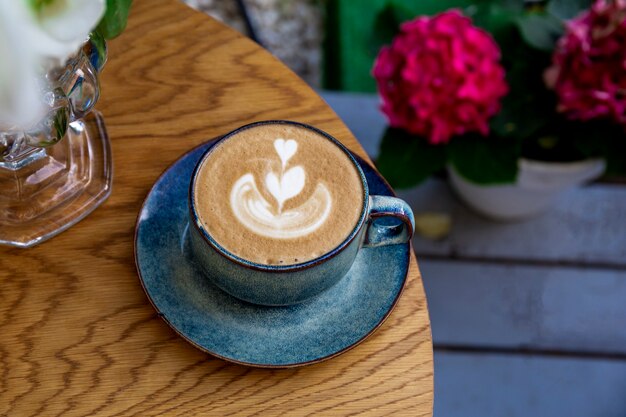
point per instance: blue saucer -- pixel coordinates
(228, 328)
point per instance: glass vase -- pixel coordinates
(54, 175)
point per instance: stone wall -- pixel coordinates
(290, 29)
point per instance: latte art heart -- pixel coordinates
(268, 218)
(278, 194)
(288, 186)
(285, 149)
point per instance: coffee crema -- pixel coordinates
(278, 194)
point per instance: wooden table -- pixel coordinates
(78, 336)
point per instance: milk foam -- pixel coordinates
(267, 218)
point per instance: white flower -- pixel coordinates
(35, 35)
(18, 81)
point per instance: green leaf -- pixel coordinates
(529, 106)
(60, 122)
(499, 19)
(386, 26)
(114, 20)
(592, 138)
(567, 9)
(98, 51)
(541, 31)
(410, 10)
(616, 155)
(483, 160)
(523, 113)
(599, 138)
(406, 160)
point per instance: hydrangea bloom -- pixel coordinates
(589, 64)
(440, 77)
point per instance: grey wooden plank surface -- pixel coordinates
(587, 227)
(527, 307)
(491, 385)
(361, 114)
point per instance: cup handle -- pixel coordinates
(383, 227)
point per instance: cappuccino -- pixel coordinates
(278, 194)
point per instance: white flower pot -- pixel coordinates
(537, 187)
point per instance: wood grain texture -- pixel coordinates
(78, 335)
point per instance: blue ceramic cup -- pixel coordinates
(383, 221)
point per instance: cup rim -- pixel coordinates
(277, 268)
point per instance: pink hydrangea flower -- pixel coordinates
(440, 77)
(589, 64)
